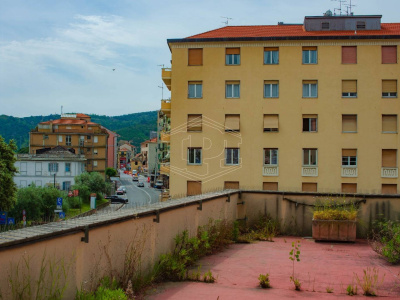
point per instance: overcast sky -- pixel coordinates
(57, 53)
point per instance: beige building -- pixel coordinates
(309, 107)
(77, 132)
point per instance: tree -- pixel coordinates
(88, 183)
(110, 172)
(8, 188)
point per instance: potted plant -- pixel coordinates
(334, 220)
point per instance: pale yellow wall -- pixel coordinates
(369, 106)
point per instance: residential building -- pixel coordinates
(311, 107)
(112, 149)
(49, 167)
(77, 132)
(164, 129)
(126, 153)
(149, 151)
(137, 163)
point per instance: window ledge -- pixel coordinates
(349, 171)
(270, 170)
(309, 171)
(387, 172)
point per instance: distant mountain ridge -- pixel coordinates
(136, 126)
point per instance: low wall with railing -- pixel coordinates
(89, 248)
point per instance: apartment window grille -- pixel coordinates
(325, 25)
(360, 25)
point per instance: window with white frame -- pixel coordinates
(60, 138)
(96, 139)
(95, 163)
(232, 89)
(195, 89)
(232, 56)
(389, 88)
(232, 156)
(82, 140)
(309, 55)
(53, 167)
(310, 123)
(271, 55)
(310, 157)
(349, 157)
(310, 89)
(68, 140)
(271, 89)
(194, 156)
(270, 156)
(349, 88)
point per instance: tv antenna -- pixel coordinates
(348, 7)
(227, 20)
(161, 66)
(162, 91)
(340, 6)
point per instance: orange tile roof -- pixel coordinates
(68, 122)
(282, 31)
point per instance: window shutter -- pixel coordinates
(309, 187)
(389, 54)
(193, 188)
(232, 82)
(389, 158)
(231, 185)
(389, 123)
(310, 116)
(349, 86)
(349, 188)
(232, 122)
(349, 123)
(271, 121)
(389, 86)
(310, 48)
(349, 152)
(389, 188)
(194, 123)
(271, 81)
(271, 49)
(349, 54)
(270, 186)
(195, 57)
(232, 50)
(310, 81)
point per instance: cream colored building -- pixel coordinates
(310, 107)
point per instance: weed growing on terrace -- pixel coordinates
(295, 256)
(264, 229)
(351, 290)
(369, 282)
(208, 277)
(264, 281)
(385, 239)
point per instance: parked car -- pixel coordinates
(135, 178)
(140, 184)
(116, 199)
(159, 184)
(121, 190)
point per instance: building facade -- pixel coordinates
(77, 132)
(308, 107)
(112, 150)
(53, 167)
(149, 155)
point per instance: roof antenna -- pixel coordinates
(349, 6)
(340, 5)
(227, 20)
(61, 109)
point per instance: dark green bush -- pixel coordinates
(385, 238)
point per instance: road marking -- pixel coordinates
(144, 192)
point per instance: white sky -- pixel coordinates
(57, 53)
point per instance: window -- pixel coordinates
(389, 54)
(96, 139)
(349, 54)
(309, 55)
(310, 89)
(389, 123)
(194, 123)
(310, 123)
(360, 25)
(389, 189)
(89, 137)
(95, 151)
(228, 185)
(349, 88)
(23, 170)
(389, 158)
(68, 140)
(310, 157)
(270, 156)
(232, 123)
(232, 56)
(195, 57)
(232, 89)
(67, 167)
(53, 167)
(66, 185)
(60, 138)
(309, 187)
(81, 140)
(194, 156)
(389, 88)
(271, 56)
(325, 25)
(349, 157)
(270, 186)
(193, 188)
(38, 169)
(350, 188)
(232, 156)
(271, 123)
(95, 163)
(349, 123)
(271, 89)
(195, 89)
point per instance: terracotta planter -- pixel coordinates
(334, 230)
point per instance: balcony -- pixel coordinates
(309, 171)
(349, 171)
(164, 137)
(164, 169)
(389, 172)
(166, 106)
(166, 75)
(270, 171)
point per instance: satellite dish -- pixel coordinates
(328, 13)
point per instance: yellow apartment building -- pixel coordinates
(311, 107)
(73, 131)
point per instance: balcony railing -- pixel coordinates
(166, 105)
(270, 171)
(164, 137)
(164, 169)
(309, 171)
(349, 171)
(389, 172)
(166, 75)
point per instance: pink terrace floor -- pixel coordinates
(322, 266)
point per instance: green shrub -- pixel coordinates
(264, 281)
(385, 236)
(334, 209)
